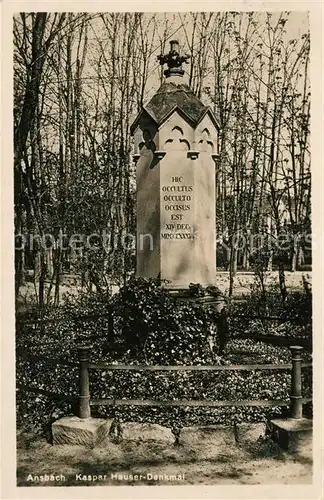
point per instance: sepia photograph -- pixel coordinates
(163, 248)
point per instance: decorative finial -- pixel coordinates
(173, 60)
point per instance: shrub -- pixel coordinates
(158, 328)
(294, 315)
(151, 326)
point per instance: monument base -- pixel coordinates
(184, 294)
(87, 432)
(292, 434)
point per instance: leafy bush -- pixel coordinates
(150, 326)
(294, 315)
(156, 327)
(298, 305)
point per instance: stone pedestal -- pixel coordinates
(88, 432)
(292, 434)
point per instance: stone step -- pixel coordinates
(88, 432)
(292, 434)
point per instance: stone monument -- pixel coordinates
(176, 148)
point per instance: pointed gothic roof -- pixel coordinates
(170, 97)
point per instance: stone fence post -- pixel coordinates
(296, 383)
(84, 390)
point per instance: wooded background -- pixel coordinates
(81, 78)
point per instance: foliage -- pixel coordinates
(222, 385)
(291, 318)
(156, 329)
(297, 306)
(196, 290)
(214, 290)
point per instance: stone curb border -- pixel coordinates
(92, 432)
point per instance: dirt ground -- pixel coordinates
(244, 280)
(258, 462)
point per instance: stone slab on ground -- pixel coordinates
(87, 432)
(292, 434)
(198, 435)
(247, 433)
(143, 432)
